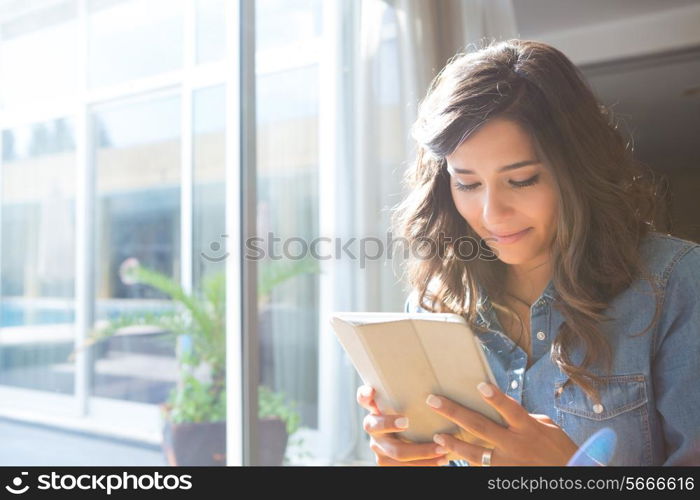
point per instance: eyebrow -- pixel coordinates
(512, 166)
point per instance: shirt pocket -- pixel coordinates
(623, 408)
(618, 394)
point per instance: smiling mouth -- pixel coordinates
(508, 235)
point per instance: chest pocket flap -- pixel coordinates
(618, 394)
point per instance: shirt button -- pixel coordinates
(541, 335)
(598, 408)
(514, 384)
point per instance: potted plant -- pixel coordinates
(194, 415)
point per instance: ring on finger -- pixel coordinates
(486, 457)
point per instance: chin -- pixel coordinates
(514, 256)
(510, 260)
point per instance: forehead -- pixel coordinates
(496, 141)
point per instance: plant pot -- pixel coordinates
(272, 439)
(193, 443)
(204, 443)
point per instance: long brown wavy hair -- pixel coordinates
(607, 199)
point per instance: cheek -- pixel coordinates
(542, 208)
(469, 210)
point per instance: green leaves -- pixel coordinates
(197, 401)
(199, 319)
(201, 323)
(272, 404)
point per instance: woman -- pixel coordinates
(588, 316)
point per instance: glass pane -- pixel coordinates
(287, 100)
(301, 84)
(389, 154)
(211, 30)
(209, 263)
(133, 39)
(283, 22)
(38, 55)
(209, 224)
(137, 160)
(37, 307)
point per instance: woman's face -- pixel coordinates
(497, 201)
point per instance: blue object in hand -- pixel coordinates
(597, 450)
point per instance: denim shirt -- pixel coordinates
(652, 398)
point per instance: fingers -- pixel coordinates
(472, 421)
(375, 422)
(470, 452)
(392, 449)
(383, 424)
(546, 419)
(434, 462)
(511, 411)
(365, 398)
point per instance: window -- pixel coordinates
(118, 147)
(38, 254)
(49, 40)
(137, 207)
(133, 39)
(107, 159)
(287, 108)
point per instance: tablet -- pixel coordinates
(406, 356)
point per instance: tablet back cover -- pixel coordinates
(407, 359)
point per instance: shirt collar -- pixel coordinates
(550, 292)
(484, 305)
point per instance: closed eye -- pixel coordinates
(529, 182)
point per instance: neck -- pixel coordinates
(527, 281)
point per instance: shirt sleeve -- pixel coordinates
(411, 304)
(676, 363)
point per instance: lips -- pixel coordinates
(509, 234)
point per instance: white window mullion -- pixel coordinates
(234, 283)
(331, 166)
(2, 148)
(84, 210)
(186, 159)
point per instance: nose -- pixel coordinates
(496, 209)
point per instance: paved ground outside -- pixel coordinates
(33, 445)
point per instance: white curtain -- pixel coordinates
(428, 34)
(398, 48)
(432, 32)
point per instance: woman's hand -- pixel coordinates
(388, 448)
(529, 439)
